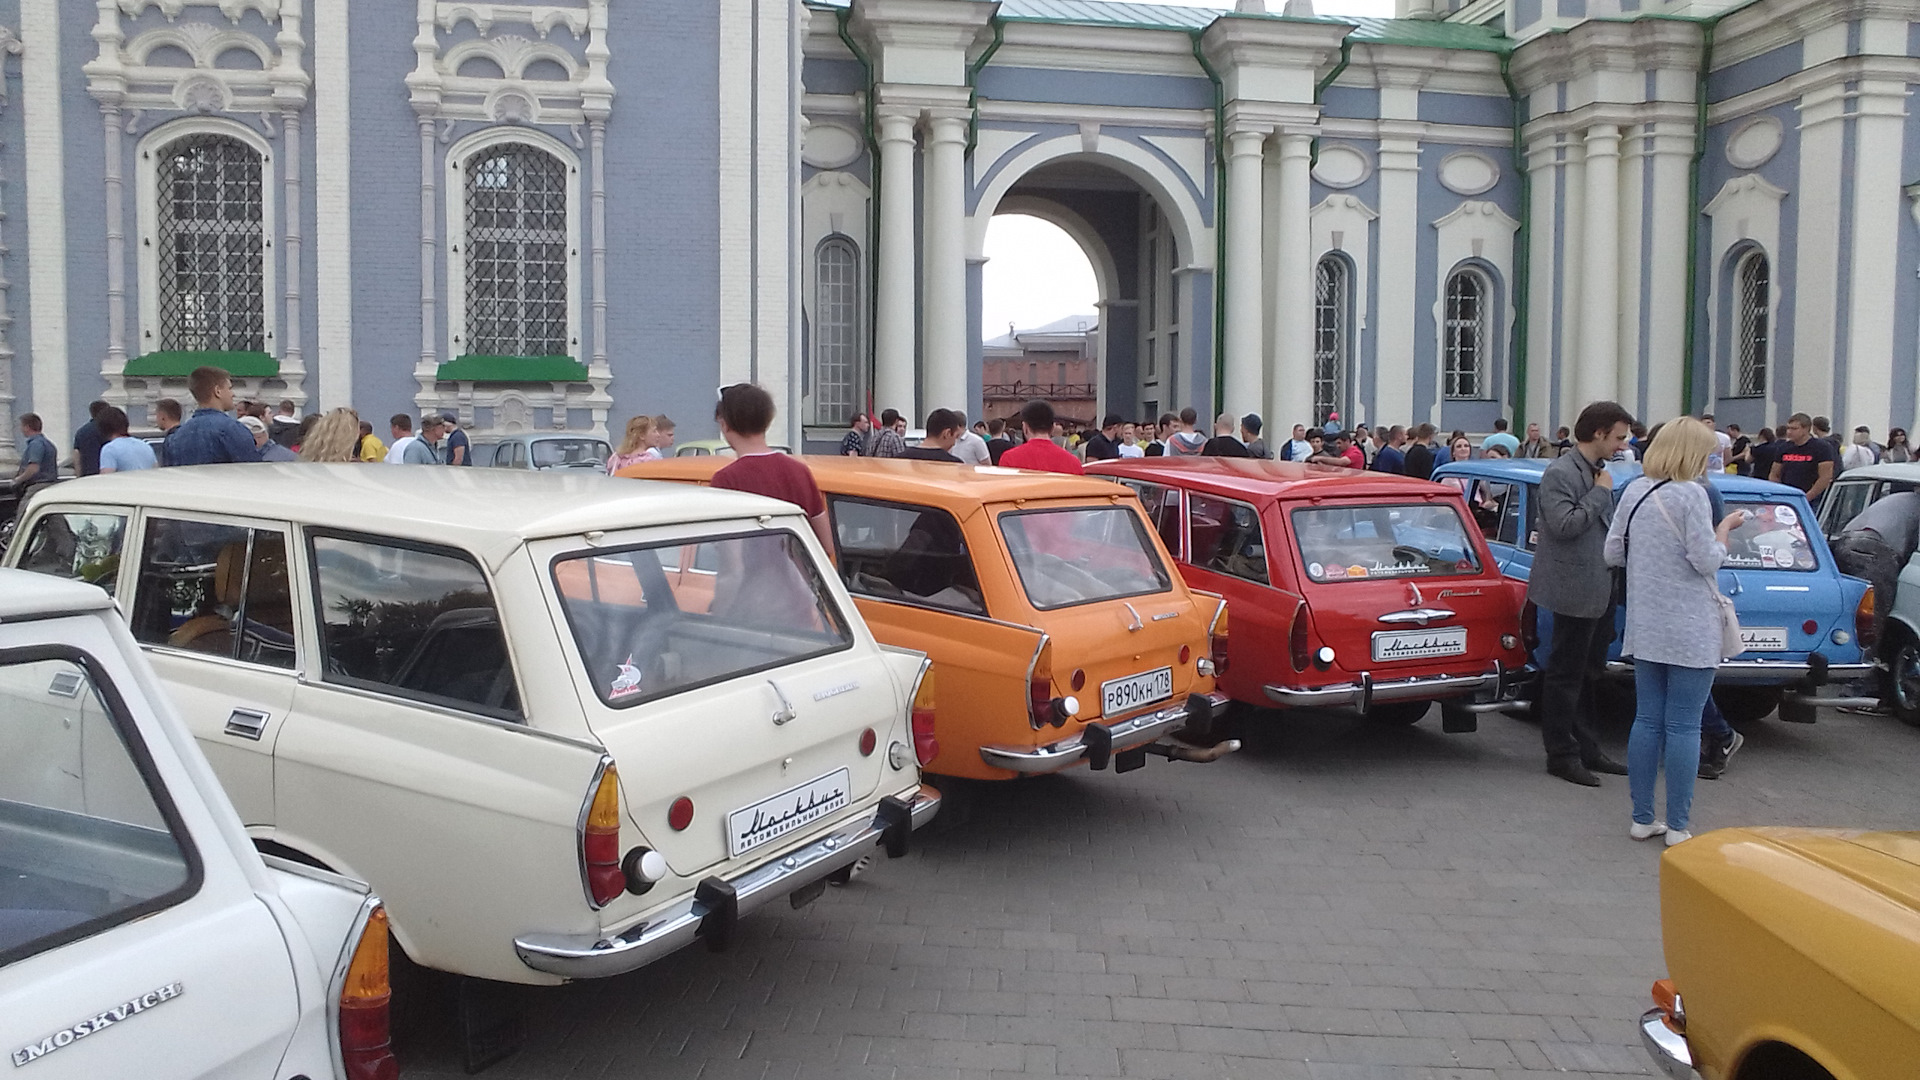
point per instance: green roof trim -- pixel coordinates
(473, 368)
(179, 363)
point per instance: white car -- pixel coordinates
(1854, 491)
(140, 933)
(564, 724)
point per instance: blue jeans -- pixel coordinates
(1666, 725)
(1713, 724)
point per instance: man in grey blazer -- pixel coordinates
(1570, 578)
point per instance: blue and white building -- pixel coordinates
(556, 215)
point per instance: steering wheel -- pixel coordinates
(1409, 553)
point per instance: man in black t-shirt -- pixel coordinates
(943, 430)
(1103, 447)
(1804, 461)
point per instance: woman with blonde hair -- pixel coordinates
(1672, 554)
(333, 437)
(636, 447)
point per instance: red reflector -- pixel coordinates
(868, 740)
(680, 814)
(1186, 654)
(1809, 627)
(1079, 678)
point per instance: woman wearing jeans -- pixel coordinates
(1672, 552)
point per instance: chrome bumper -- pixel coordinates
(1125, 734)
(1668, 1050)
(1365, 691)
(1766, 672)
(711, 910)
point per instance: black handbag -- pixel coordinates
(1626, 544)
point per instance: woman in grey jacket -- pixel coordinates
(1672, 551)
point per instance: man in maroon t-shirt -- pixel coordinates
(745, 413)
(1040, 452)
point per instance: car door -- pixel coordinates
(213, 607)
(131, 940)
(1241, 554)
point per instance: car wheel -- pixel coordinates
(1399, 713)
(1745, 704)
(1903, 678)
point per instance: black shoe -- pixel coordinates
(1573, 773)
(1601, 763)
(1711, 767)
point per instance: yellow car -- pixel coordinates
(1794, 953)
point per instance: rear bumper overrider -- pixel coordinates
(1493, 690)
(1666, 1047)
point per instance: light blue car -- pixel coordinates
(1800, 617)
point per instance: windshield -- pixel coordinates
(1409, 540)
(656, 620)
(560, 453)
(1082, 554)
(1774, 537)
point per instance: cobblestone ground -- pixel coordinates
(1337, 900)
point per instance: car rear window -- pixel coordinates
(1082, 554)
(1774, 537)
(558, 453)
(658, 619)
(1401, 540)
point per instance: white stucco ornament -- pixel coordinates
(1342, 166)
(1468, 173)
(829, 146)
(1754, 143)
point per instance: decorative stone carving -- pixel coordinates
(829, 146)
(1342, 166)
(512, 107)
(1754, 143)
(200, 94)
(1469, 173)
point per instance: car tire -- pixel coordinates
(1399, 713)
(1746, 704)
(1903, 677)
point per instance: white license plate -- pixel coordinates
(1135, 691)
(1764, 638)
(770, 819)
(1391, 645)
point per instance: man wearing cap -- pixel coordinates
(269, 450)
(423, 449)
(456, 450)
(1250, 425)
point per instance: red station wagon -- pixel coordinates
(1354, 589)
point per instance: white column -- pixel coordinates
(116, 359)
(292, 362)
(1399, 272)
(1600, 306)
(1627, 262)
(40, 98)
(1241, 389)
(1816, 272)
(1291, 385)
(1572, 272)
(1879, 128)
(429, 364)
(1667, 298)
(893, 306)
(1542, 404)
(332, 203)
(944, 348)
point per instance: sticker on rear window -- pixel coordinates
(627, 682)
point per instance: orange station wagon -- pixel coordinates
(1047, 603)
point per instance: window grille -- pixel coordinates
(1466, 336)
(1754, 277)
(212, 246)
(1332, 290)
(516, 220)
(836, 333)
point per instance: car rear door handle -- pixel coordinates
(247, 723)
(1418, 616)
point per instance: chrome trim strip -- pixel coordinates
(1367, 690)
(594, 956)
(1419, 616)
(1127, 734)
(1033, 721)
(1667, 1049)
(1762, 672)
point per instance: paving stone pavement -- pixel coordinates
(1338, 901)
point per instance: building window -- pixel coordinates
(211, 235)
(836, 331)
(1333, 291)
(516, 254)
(1465, 344)
(1754, 279)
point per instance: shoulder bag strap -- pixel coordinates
(1626, 535)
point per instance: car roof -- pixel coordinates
(544, 436)
(1730, 483)
(489, 512)
(27, 595)
(1255, 478)
(1524, 470)
(896, 477)
(1906, 471)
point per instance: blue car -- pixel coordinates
(1801, 618)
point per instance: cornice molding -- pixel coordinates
(1596, 47)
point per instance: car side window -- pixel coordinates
(900, 551)
(88, 839)
(411, 620)
(222, 590)
(1489, 500)
(1162, 504)
(1226, 537)
(1845, 501)
(77, 546)
(1515, 517)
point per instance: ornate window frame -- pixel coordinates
(1750, 359)
(454, 168)
(1483, 329)
(855, 328)
(147, 202)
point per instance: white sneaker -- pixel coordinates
(1647, 832)
(1677, 836)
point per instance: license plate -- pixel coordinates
(1764, 638)
(770, 819)
(1390, 645)
(1135, 691)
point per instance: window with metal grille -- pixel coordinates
(1465, 344)
(836, 330)
(212, 237)
(1754, 277)
(1333, 288)
(516, 257)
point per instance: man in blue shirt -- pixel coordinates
(39, 461)
(88, 441)
(210, 436)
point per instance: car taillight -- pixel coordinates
(926, 746)
(600, 840)
(1863, 621)
(366, 1039)
(1530, 627)
(1217, 640)
(1297, 639)
(1040, 684)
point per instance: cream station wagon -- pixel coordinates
(564, 725)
